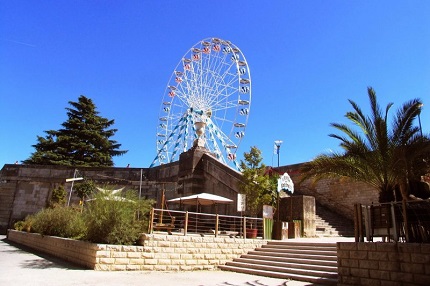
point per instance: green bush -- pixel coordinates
(58, 197)
(85, 190)
(24, 225)
(105, 219)
(19, 225)
(60, 221)
(112, 219)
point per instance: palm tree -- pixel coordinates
(381, 157)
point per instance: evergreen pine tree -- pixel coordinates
(84, 139)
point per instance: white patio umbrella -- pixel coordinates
(203, 199)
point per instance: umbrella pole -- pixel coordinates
(162, 205)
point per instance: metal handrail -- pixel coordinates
(185, 222)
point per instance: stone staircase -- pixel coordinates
(300, 261)
(329, 223)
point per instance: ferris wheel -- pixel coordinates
(206, 103)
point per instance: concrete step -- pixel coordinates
(290, 270)
(332, 222)
(303, 245)
(302, 261)
(266, 261)
(295, 250)
(329, 223)
(324, 253)
(288, 258)
(302, 256)
(282, 275)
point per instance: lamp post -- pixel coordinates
(277, 232)
(419, 119)
(278, 147)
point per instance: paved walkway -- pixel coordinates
(23, 266)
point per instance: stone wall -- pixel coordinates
(194, 252)
(25, 189)
(221, 181)
(157, 252)
(339, 195)
(366, 263)
(74, 251)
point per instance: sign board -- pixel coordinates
(285, 183)
(241, 202)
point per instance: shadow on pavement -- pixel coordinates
(42, 260)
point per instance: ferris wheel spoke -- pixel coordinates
(225, 100)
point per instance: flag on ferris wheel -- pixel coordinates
(206, 50)
(231, 156)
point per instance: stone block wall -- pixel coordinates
(339, 195)
(7, 196)
(393, 264)
(25, 189)
(75, 251)
(194, 252)
(157, 252)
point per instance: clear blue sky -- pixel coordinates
(307, 58)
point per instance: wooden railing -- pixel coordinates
(396, 221)
(180, 222)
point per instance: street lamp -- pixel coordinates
(419, 119)
(278, 146)
(277, 225)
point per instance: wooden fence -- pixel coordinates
(396, 221)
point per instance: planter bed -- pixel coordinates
(157, 252)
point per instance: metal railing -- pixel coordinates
(397, 221)
(184, 223)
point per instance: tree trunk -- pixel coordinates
(404, 191)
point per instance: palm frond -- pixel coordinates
(379, 156)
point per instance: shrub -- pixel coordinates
(112, 219)
(24, 225)
(58, 197)
(85, 190)
(105, 219)
(60, 221)
(19, 225)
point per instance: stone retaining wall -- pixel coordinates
(366, 263)
(75, 251)
(158, 252)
